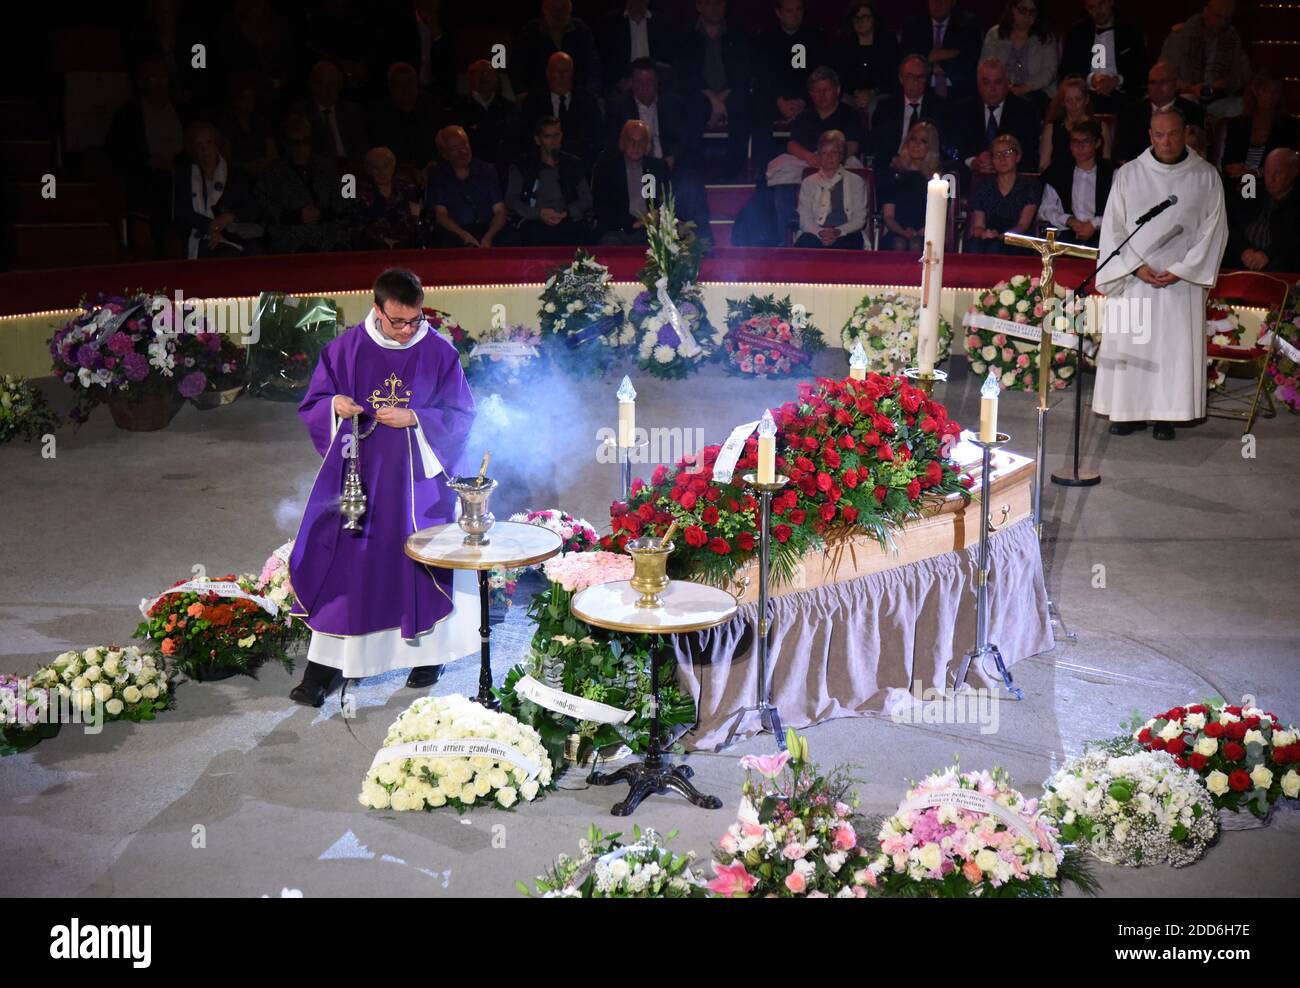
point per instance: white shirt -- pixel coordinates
(997, 119)
(556, 101)
(640, 32)
(1083, 199)
(1106, 38)
(907, 115)
(649, 115)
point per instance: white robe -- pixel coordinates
(1151, 365)
(456, 635)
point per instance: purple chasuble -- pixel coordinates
(349, 583)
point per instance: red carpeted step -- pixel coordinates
(73, 202)
(721, 231)
(57, 245)
(726, 201)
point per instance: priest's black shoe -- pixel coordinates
(1124, 428)
(1163, 430)
(422, 677)
(315, 685)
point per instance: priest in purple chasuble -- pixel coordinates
(370, 607)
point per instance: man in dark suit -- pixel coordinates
(896, 113)
(1125, 60)
(624, 182)
(407, 121)
(1134, 129)
(577, 110)
(338, 129)
(488, 117)
(950, 40)
(1262, 229)
(548, 197)
(716, 64)
(557, 30)
(784, 54)
(643, 101)
(416, 36)
(995, 111)
(626, 35)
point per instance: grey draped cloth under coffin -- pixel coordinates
(838, 649)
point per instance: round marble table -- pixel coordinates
(684, 607)
(511, 543)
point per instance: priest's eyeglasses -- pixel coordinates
(415, 323)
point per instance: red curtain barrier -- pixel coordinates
(62, 288)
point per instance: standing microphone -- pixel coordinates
(1156, 210)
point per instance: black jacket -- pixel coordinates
(572, 175)
(969, 123)
(775, 76)
(351, 124)
(1061, 179)
(621, 109)
(1284, 244)
(492, 131)
(963, 33)
(887, 124)
(1130, 53)
(609, 190)
(614, 39)
(1132, 131)
(1284, 133)
(737, 61)
(581, 123)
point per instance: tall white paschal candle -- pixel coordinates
(767, 449)
(858, 362)
(936, 229)
(626, 413)
(989, 409)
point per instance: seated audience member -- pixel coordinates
(902, 188)
(212, 204)
(1116, 77)
(488, 117)
(1133, 135)
(643, 101)
(1264, 125)
(556, 31)
(413, 33)
(866, 58)
(462, 195)
(949, 40)
(1262, 229)
(825, 112)
(781, 79)
(628, 34)
(995, 111)
(1208, 58)
(620, 190)
(246, 129)
(390, 204)
(832, 200)
(1005, 203)
(301, 197)
(143, 141)
(716, 62)
(897, 114)
(577, 110)
(1071, 104)
(548, 196)
(338, 128)
(406, 121)
(1023, 42)
(1198, 140)
(1074, 196)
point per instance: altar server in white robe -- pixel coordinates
(1151, 365)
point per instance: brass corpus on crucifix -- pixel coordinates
(1049, 250)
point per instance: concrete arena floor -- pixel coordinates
(1196, 543)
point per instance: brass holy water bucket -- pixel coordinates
(649, 569)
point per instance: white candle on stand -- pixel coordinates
(989, 409)
(936, 230)
(626, 413)
(767, 449)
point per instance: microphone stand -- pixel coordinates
(1087, 478)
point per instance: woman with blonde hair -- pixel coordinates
(902, 191)
(212, 204)
(1071, 104)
